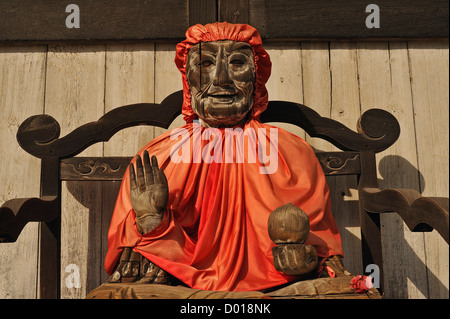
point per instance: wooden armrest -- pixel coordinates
(419, 213)
(16, 213)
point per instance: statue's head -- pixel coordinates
(221, 77)
(224, 70)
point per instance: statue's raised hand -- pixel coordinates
(149, 192)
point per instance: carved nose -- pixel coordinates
(222, 77)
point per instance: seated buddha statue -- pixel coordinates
(224, 202)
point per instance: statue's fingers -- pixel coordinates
(155, 162)
(161, 178)
(148, 169)
(158, 174)
(140, 173)
(133, 184)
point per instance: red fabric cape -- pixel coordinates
(214, 233)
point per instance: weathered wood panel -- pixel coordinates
(429, 69)
(31, 20)
(202, 11)
(234, 11)
(168, 79)
(384, 83)
(346, 19)
(74, 95)
(285, 82)
(345, 108)
(22, 83)
(117, 20)
(130, 78)
(317, 85)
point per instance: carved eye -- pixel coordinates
(236, 62)
(205, 63)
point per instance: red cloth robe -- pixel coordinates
(214, 232)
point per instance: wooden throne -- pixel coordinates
(377, 131)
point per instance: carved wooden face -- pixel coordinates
(221, 76)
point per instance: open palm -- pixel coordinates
(149, 192)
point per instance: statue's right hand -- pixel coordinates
(149, 192)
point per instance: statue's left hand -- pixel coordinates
(149, 192)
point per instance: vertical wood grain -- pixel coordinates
(22, 89)
(429, 69)
(129, 79)
(317, 90)
(384, 83)
(202, 11)
(74, 96)
(285, 82)
(167, 80)
(317, 85)
(345, 108)
(234, 11)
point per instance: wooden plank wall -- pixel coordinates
(145, 20)
(79, 83)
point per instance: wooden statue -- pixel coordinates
(164, 239)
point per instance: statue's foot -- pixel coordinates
(133, 267)
(332, 267)
(155, 275)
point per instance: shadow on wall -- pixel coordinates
(99, 199)
(406, 263)
(403, 251)
(403, 168)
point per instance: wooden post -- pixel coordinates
(370, 223)
(49, 274)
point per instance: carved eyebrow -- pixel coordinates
(242, 45)
(199, 47)
(205, 47)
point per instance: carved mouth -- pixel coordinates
(223, 97)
